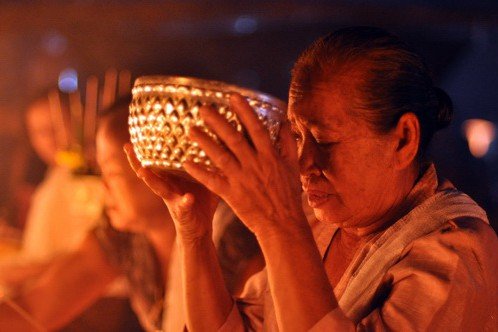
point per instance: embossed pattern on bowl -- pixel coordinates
(163, 109)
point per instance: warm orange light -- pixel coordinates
(479, 134)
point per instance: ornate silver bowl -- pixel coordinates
(163, 109)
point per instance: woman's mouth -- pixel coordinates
(317, 198)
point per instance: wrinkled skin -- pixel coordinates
(347, 169)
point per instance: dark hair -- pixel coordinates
(114, 121)
(394, 80)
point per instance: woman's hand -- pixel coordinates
(260, 184)
(190, 204)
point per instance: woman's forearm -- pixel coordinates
(301, 291)
(13, 318)
(208, 302)
(67, 286)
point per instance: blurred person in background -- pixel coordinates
(136, 245)
(137, 242)
(65, 206)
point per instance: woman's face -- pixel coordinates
(346, 167)
(129, 202)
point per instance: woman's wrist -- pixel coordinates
(189, 241)
(286, 230)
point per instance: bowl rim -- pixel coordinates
(210, 84)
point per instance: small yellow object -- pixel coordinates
(71, 159)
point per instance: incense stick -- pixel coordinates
(109, 92)
(76, 110)
(90, 116)
(124, 83)
(57, 118)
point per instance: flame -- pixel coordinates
(479, 134)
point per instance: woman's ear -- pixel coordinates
(407, 135)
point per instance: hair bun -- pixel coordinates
(444, 109)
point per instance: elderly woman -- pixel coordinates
(394, 248)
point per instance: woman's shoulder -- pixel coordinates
(467, 244)
(451, 222)
(462, 233)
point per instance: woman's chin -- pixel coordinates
(330, 216)
(123, 225)
(324, 217)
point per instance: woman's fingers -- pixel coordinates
(221, 158)
(233, 139)
(287, 144)
(132, 158)
(212, 181)
(159, 185)
(254, 126)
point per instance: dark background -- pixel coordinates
(251, 43)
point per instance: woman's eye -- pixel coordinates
(296, 137)
(325, 145)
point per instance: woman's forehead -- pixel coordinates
(321, 107)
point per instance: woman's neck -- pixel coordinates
(406, 199)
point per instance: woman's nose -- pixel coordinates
(308, 159)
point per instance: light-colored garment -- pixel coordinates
(434, 269)
(64, 208)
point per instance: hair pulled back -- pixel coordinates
(394, 79)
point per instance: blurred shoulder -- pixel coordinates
(466, 243)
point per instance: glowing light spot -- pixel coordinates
(54, 43)
(68, 80)
(245, 25)
(479, 134)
